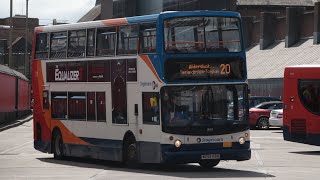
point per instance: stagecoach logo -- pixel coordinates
(209, 140)
(66, 75)
(152, 84)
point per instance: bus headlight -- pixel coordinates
(242, 140)
(177, 143)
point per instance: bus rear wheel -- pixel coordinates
(58, 146)
(130, 153)
(208, 163)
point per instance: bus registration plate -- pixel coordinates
(210, 156)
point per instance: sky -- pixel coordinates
(67, 11)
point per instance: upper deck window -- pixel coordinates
(128, 39)
(91, 42)
(58, 45)
(77, 43)
(148, 38)
(42, 46)
(202, 35)
(106, 41)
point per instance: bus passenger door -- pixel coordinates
(150, 129)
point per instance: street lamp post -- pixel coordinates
(26, 62)
(10, 36)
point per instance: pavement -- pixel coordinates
(15, 123)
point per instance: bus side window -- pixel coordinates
(42, 46)
(128, 39)
(106, 41)
(59, 105)
(77, 43)
(148, 38)
(150, 105)
(91, 42)
(58, 45)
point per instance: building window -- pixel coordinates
(91, 106)
(59, 105)
(128, 40)
(77, 43)
(91, 42)
(42, 46)
(106, 41)
(58, 45)
(77, 105)
(101, 106)
(148, 38)
(150, 105)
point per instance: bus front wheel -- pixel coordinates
(209, 163)
(130, 153)
(58, 145)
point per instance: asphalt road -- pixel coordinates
(272, 158)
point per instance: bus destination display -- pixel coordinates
(204, 69)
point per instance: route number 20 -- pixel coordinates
(225, 69)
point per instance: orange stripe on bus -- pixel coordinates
(146, 59)
(114, 22)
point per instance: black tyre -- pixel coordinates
(209, 163)
(57, 143)
(263, 123)
(130, 153)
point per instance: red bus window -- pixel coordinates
(59, 105)
(77, 105)
(309, 93)
(101, 106)
(91, 106)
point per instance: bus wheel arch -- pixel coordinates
(57, 144)
(129, 150)
(263, 122)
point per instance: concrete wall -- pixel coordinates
(149, 7)
(266, 87)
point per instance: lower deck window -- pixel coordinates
(59, 105)
(77, 105)
(150, 102)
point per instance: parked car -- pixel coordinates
(259, 115)
(276, 118)
(255, 100)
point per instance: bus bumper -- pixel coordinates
(42, 146)
(194, 156)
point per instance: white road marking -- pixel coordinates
(16, 148)
(256, 154)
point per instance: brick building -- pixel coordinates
(18, 42)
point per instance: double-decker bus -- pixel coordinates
(301, 98)
(162, 88)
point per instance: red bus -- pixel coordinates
(301, 97)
